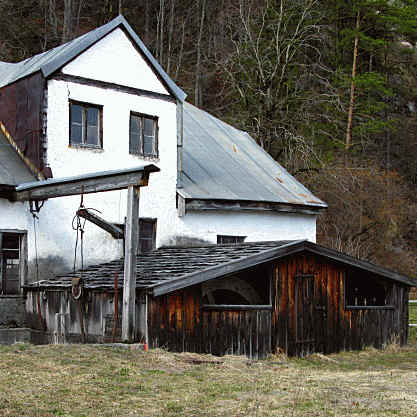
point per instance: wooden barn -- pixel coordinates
(254, 298)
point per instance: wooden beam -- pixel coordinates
(111, 86)
(115, 231)
(131, 246)
(85, 184)
(235, 307)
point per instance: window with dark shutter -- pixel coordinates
(143, 135)
(147, 235)
(85, 125)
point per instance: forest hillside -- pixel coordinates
(328, 88)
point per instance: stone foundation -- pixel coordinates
(12, 311)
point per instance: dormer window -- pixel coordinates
(143, 135)
(85, 125)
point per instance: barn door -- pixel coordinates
(305, 314)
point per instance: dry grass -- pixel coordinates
(88, 380)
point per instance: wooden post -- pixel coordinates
(131, 245)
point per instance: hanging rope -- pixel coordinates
(35, 217)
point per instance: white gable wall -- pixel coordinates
(114, 59)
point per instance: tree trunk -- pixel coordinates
(67, 27)
(352, 87)
(197, 86)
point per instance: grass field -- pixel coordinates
(412, 312)
(88, 380)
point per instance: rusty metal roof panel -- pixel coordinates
(50, 61)
(224, 163)
(13, 170)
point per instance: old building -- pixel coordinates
(99, 114)
(294, 297)
(102, 102)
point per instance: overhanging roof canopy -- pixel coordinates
(85, 184)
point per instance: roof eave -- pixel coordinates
(269, 255)
(203, 204)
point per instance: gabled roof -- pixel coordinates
(221, 162)
(50, 61)
(13, 169)
(173, 268)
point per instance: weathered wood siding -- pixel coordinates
(89, 319)
(332, 327)
(178, 323)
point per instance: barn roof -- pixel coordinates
(221, 162)
(172, 268)
(50, 61)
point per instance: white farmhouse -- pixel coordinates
(102, 103)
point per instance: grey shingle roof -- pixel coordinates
(162, 265)
(171, 268)
(13, 170)
(223, 163)
(50, 61)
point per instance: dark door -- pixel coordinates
(305, 335)
(9, 263)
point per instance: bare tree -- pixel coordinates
(197, 85)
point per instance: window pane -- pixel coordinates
(134, 123)
(92, 126)
(134, 143)
(148, 145)
(76, 135)
(148, 126)
(92, 116)
(76, 114)
(134, 135)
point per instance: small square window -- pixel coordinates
(227, 239)
(85, 125)
(143, 135)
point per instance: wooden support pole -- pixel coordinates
(131, 245)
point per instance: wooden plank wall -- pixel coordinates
(177, 322)
(335, 328)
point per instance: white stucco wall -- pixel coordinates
(115, 60)
(56, 237)
(13, 215)
(257, 226)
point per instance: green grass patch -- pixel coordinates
(412, 313)
(86, 380)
